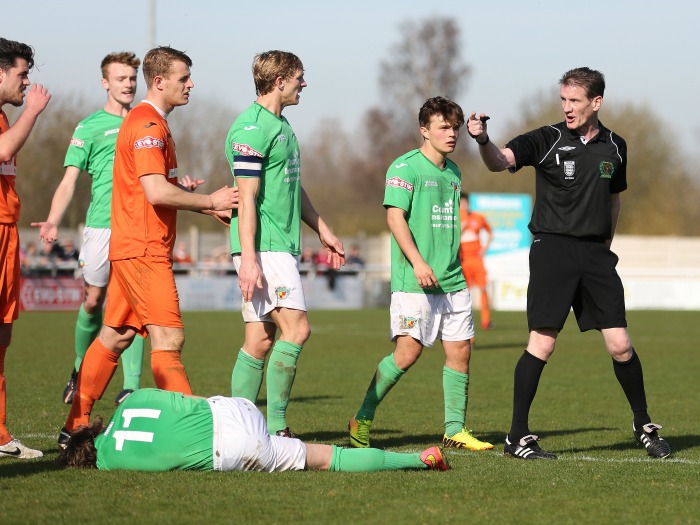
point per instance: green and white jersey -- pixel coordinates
(91, 149)
(261, 144)
(158, 430)
(430, 197)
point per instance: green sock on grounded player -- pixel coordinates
(132, 362)
(372, 460)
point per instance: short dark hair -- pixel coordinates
(589, 79)
(158, 61)
(126, 58)
(444, 107)
(10, 51)
(80, 451)
(464, 195)
(269, 65)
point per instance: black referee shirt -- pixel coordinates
(574, 180)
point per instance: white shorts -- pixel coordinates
(241, 441)
(94, 256)
(281, 286)
(427, 317)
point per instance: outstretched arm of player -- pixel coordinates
(396, 217)
(159, 192)
(14, 138)
(494, 158)
(332, 244)
(48, 230)
(250, 274)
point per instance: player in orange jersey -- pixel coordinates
(16, 60)
(141, 293)
(471, 253)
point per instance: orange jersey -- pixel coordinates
(9, 201)
(144, 146)
(472, 224)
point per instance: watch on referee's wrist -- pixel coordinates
(483, 143)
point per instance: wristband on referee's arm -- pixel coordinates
(483, 143)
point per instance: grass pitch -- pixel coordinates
(580, 412)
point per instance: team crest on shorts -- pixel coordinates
(407, 322)
(569, 169)
(606, 169)
(282, 292)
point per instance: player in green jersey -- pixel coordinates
(429, 297)
(158, 430)
(265, 235)
(91, 149)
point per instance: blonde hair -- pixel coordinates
(269, 65)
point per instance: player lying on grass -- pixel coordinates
(158, 430)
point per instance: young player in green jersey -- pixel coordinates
(158, 430)
(429, 298)
(265, 235)
(91, 149)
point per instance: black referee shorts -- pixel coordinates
(565, 273)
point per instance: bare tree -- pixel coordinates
(427, 62)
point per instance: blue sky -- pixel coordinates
(517, 49)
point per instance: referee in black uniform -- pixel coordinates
(580, 167)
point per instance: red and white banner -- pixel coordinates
(46, 293)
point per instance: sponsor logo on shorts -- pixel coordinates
(149, 142)
(77, 142)
(397, 182)
(407, 322)
(81, 263)
(282, 292)
(245, 149)
(569, 169)
(606, 169)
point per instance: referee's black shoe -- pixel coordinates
(657, 447)
(526, 448)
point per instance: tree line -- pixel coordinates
(344, 170)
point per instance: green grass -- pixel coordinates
(580, 412)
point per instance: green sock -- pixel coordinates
(372, 460)
(281, 370)
(455, 386)
(384, 379)
(132, 359)
(86, 329)
(247, 376)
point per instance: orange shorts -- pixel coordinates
(474, 272)
(141, 291)
(9, 273)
